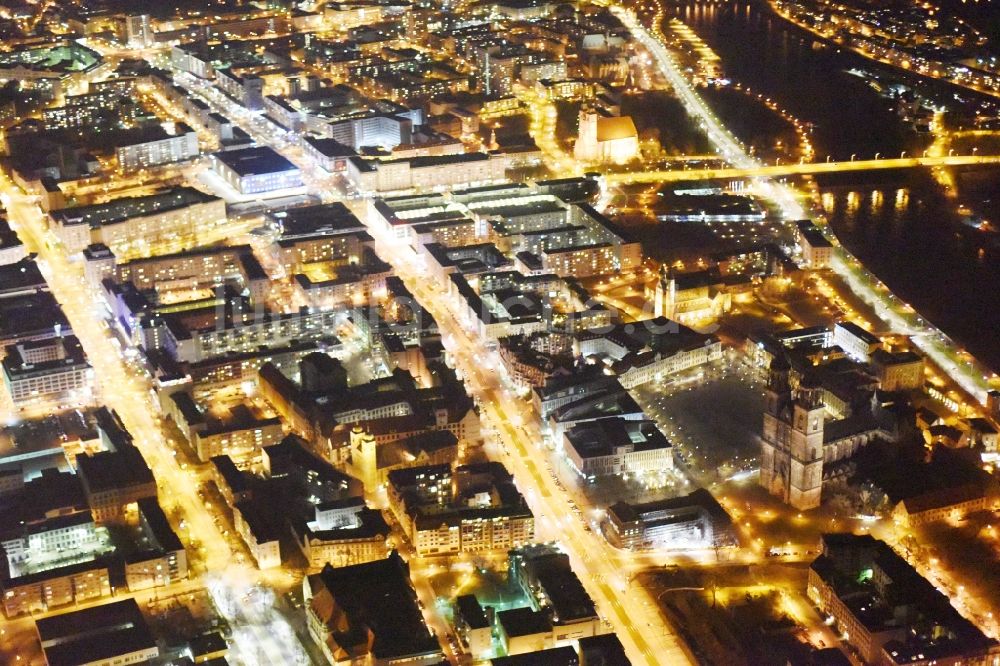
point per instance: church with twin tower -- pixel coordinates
(792, 451)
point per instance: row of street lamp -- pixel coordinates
(854, 156)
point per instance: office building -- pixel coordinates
(425, 173)
(817, 251)
(855, 341)
(117, 477)
(30, 318)
(343, 533)
(476, 508)
(49, 589)
(256, 170)
(138, 31)
(898, 371)
(693, 521)
(162, 559)
(616, 447)
(260, 530)
(546, 578)
(649, 351)
(240, 433)
(54, 371)
(474, 625)
(11, 248)
(140, 226)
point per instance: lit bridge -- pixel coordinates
(795, 169)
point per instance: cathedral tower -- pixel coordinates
(791, 465)
(666, 294)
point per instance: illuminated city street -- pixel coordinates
(498, 333)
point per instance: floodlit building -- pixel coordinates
(343, 533)
(693, 521)
(255, 523)
(61, 586)
(545, 576)
(690, 297)
(425, 173)
(139, 31)
(11, 248)
(180, 145)
(115, 478)
(800, 447)
(940, 504)
(855, 341)
(162, 559)
(46, 371)
(474, 625)
(647, 351)
(476, 508)
(140, 226)
(817, 251)
(898, 371)
(616, 447)
(256, 170)
(605, 139)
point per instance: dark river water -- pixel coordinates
(903, 225)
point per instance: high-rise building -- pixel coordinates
(138, 31)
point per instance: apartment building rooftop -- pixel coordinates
(124, 208)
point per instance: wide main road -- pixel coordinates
(124, 388)
(620, 601)
(798, 168)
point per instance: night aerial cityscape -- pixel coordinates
(510, 332)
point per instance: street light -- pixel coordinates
(902, 155)
(877, 155)
(853, 155)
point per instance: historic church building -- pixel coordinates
(800, 449)
(690, 297)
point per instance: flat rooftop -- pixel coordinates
(309, 220)
(598, 438)
(19, 276)
(254, 161)
(118, 210)
(31, 315)
(95, 634)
